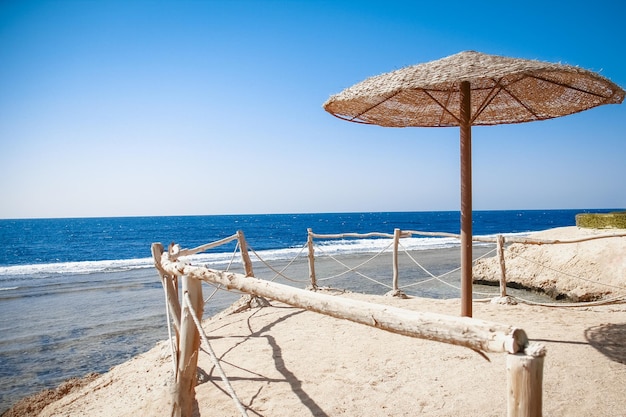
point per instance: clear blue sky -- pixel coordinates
(116, 108)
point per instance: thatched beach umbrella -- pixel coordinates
(471, 88)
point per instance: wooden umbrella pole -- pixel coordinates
(466, 200)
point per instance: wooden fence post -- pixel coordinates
(309, 242)
(184, 391)
(500, 246)
(395, 291)
(169, 287)
(524, 372)
(251, 300)
(245, 257)
(396, 239)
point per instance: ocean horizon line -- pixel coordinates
(135, 216)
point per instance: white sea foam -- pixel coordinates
(84, 267)
(216, 260)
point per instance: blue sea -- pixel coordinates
(81, 295)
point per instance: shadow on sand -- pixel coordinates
(609, 339)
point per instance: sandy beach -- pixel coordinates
(285, 361)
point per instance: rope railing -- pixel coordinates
(397, 290)
(281, 272)
(439, 278)
(349, 269)
(354, 270)
(604, 284)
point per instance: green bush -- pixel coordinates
(614, 220)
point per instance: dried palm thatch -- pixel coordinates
(504, 90)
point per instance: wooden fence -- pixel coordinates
(396, 236)
(524, 361)
(499, 240)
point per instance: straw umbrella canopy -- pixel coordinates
(466, 89)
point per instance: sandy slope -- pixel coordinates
(283, 361)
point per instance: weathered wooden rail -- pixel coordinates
(524, 363)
